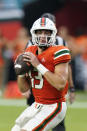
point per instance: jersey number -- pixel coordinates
(37, 78)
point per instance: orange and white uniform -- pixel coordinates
(43, 92)
(49, 108)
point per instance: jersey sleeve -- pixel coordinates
(62, 56)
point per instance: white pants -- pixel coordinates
(40, 117)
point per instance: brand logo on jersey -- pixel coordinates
(43, 60)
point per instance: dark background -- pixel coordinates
(70, 13)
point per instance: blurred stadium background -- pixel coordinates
(16, 18)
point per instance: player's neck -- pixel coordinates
(40, 51)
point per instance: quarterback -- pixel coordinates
(48, 79)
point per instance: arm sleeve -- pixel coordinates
(62, 56)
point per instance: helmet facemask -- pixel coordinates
(43, 40)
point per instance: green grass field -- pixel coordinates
(76, 117)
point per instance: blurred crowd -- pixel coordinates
(9, 49)
(78, 47)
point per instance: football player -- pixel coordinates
(48, 79)
(59, 41)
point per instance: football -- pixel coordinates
(20, 66)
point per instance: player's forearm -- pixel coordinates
(23, 84)
(57, 81)
(57, 78)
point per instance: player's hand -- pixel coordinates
(31, 58)
(71, 97)
(27, 94)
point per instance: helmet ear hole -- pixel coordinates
(46, 24)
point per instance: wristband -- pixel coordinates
(22, 75)
(42, 69)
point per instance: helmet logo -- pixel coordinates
(43, 21)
